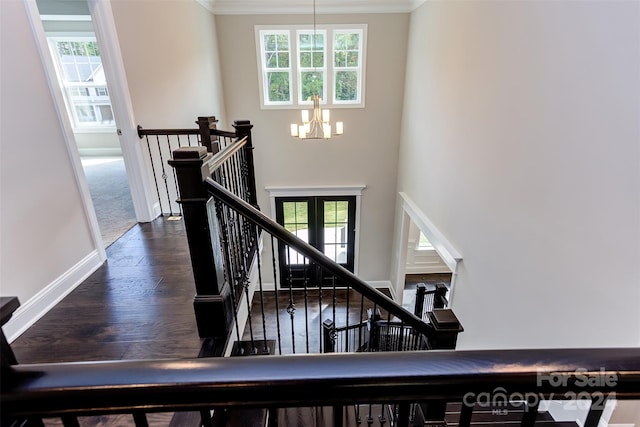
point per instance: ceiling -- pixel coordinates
(243, 7)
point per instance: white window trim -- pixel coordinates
(330, 70)
(360, 68)
(333, 190)
(262, 69)
(299, 70)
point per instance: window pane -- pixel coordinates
(70, 73)
(346, 85)
(86, 114)
(353, 41)
(305, 59)
(352, 59)
(270, 42)
(340, 59)
(106, 114)
(276, 50)
(271, 60)
(318, 59)
(311, 53)
(312, 83)
(296, 220)
(283, 59)
(335, 225)
(278, 85)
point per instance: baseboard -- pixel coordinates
(156, 210)
(38, 305)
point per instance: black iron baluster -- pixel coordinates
(465, 415)
(382, 417)
(205, 418)
(140, 419)
(306, 305)
(291, 308)
(67, 421)
(530, 414)
(374, 337)
(233, 178)
(338, 415)
(164, 176)
(391, 338)
(175, 177)
(277, 295)
(320, 319)
(402, 419)
(155, 176)
(244, 280)
(264, 321)
(245, 175)
(347, 323)
(361, 320)
(224, 240)
(333, 283)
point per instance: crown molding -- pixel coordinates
(296, 7)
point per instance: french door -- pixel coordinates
(326, 223)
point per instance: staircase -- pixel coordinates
(376, 375)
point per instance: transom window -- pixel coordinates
(79, 68)
(294, 65)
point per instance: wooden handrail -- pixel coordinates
(341, 273)
(142, 132)
(320, 379)
(222, 156)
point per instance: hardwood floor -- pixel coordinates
(138, 305)
(301, 333)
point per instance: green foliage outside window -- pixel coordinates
(279, 90)
(78, 48)
(346, 86)
(312, 84)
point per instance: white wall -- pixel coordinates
(44, 231)
(366, 154)
(521, 144)
(170, 54)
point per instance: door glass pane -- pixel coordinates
(335, 224)
(296, 220)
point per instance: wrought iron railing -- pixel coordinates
(160, 144)
(428, 298)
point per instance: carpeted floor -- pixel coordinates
(111, 197)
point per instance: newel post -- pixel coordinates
(243, 128)
(206, 124)
(212, 304)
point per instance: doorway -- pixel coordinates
(424, 254)
(326, 223)
(79, 72)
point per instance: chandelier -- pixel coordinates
(316, 125)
